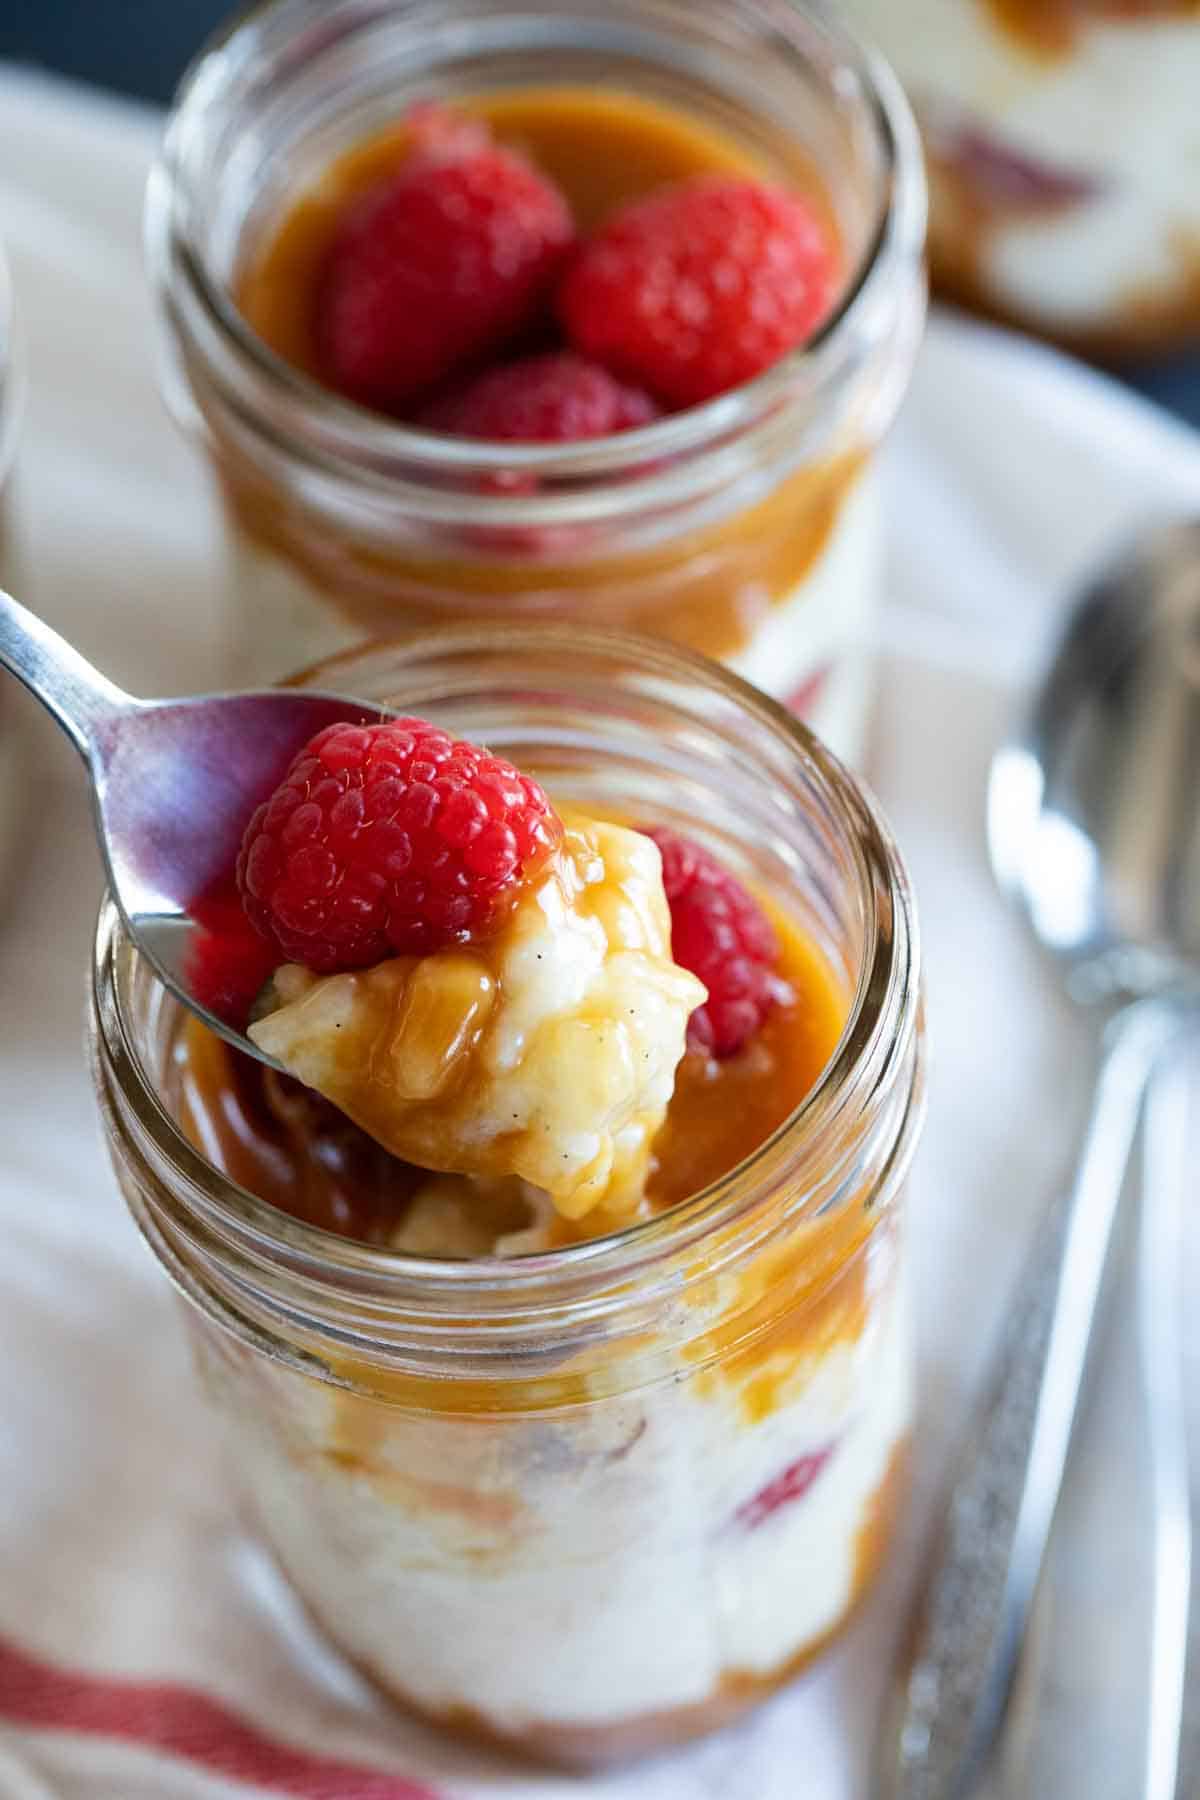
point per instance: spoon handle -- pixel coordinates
(74, 693)
(1160, 1333)
(953, 1691)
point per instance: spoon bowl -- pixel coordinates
(1094, 807)
(174, 783)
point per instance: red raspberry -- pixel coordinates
(553, 398)
(227, 963)
(787, 1487)
(700, 286)
(387, 840)
(441, 263)
(724, 937)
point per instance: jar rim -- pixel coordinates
(875, 1040)
(380, 447)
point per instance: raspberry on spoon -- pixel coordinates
(701, 285)
(387, 840)
(722, 935)
(557, 397)
(442, 263)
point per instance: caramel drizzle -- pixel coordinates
(1049, 29)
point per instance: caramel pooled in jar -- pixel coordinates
(546, 1052)
(298, 1152)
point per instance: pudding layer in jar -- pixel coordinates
(1061, 145)
(744, 526)
(585, 1483)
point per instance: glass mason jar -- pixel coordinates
(1061, 142)
(745, 528)
(599, 1499)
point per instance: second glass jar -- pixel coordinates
(745, 528)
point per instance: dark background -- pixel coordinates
(140, 47)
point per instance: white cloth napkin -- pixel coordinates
(145, 1648)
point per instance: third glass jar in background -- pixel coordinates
(1061, 138)
(745, 528)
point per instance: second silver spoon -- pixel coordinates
(1094, 828)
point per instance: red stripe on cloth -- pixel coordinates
(162, 1715)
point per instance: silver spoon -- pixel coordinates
(1166, 1183)
(173, 782)
(1094, 829)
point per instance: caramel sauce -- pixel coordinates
(593, 1747)
(299, 1153)
(497, 1514)
(1049, 28)
(721, 1112)
(465, 1061)
(283, 1143)
(709, 589)
(795, 1301)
